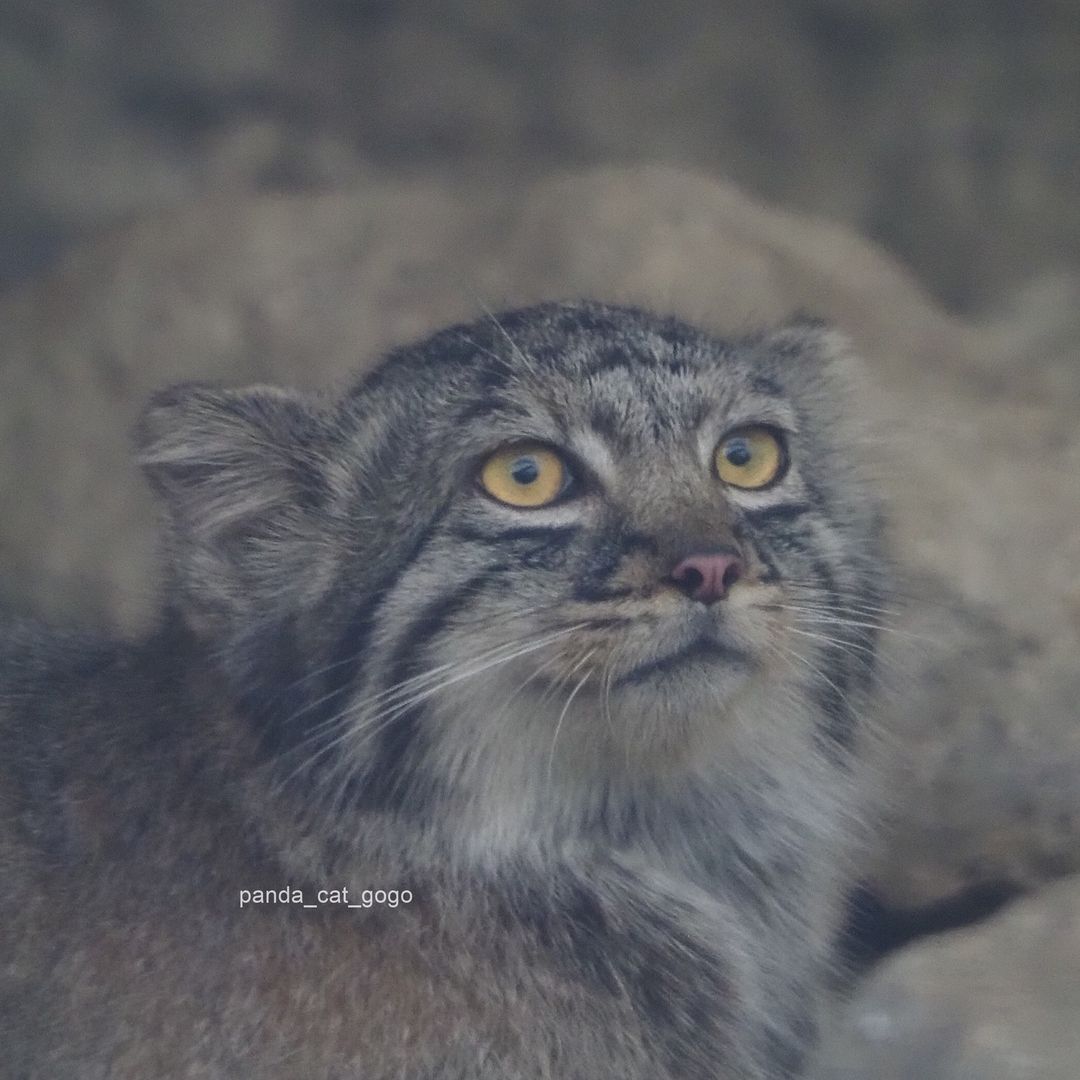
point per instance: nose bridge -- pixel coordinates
(683, 518)
(666, 527)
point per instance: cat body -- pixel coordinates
(513, 636)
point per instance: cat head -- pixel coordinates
(575, 543)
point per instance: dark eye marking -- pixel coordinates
(539, 533)
(773, 515)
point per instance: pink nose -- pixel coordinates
(708, 577)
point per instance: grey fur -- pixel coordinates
(618, 870)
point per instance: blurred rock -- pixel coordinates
(999, 1001)
(973, 429)
(946, 131)
(981, 748)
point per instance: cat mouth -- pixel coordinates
(702, 649)
(662, 652)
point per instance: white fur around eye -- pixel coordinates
(597, 455)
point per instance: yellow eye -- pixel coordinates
(749, 457)
(525, 475)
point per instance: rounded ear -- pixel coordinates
(222, 458)
(816, 357)
(805, 336)
(239, 472)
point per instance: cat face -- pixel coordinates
(572, 540)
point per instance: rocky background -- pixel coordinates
(278, 190)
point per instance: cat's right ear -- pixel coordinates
(223, 460)
(239, 473)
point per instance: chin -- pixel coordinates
(674, 720)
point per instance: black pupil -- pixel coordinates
(525, 471)
(738, 452)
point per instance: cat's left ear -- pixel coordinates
(817, 358)
(806, 337)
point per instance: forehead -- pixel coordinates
(625, 378)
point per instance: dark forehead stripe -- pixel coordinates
(579, 339)
(486, 406)
(629, 403)
(602, 338)
(466, 348)
(609, 358)
(628, 357)
(592, 320)
(768, 387)
(607, 421)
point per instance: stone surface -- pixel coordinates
(973, 428)
(997, 1001)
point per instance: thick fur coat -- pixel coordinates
(620, 805)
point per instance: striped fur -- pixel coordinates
(629, 813)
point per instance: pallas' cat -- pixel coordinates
(501, 722)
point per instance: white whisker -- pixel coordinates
(566, 708)
(406, 697)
